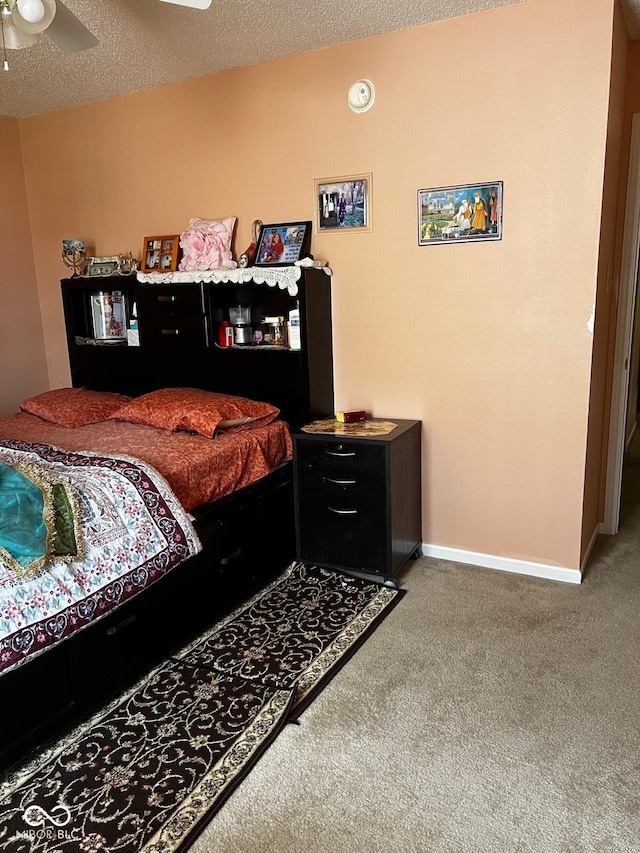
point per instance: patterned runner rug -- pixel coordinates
(146, 773)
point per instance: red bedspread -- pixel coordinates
(198, 469)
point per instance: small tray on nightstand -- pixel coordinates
(331, 426)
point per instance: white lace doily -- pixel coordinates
(286, 278)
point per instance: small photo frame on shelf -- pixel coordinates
(343, 204)
(109, 316)
(160, 254)
(107, 265)
(283, 244)
(460, 214)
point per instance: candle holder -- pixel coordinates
(74, 256)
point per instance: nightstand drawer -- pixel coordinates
(343, 485)
(351, 534)
(170, 299)
(341, 456)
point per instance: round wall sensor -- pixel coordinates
(361, 96)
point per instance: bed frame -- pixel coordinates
(248, 537)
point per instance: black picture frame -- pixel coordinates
(294, 238)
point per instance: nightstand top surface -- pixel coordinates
(342, 432)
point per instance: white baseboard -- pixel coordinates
(504, 564)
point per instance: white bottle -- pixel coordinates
(295, 341)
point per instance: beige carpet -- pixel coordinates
(489, 712)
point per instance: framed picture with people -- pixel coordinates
(282, 244)
(460, 213)
(161, 254)
(343, 204)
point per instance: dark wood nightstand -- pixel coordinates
(358, 500)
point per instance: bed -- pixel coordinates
(176, 527)
(242, 517)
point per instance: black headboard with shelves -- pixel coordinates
(178, 334)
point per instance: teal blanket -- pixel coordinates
(36, 518)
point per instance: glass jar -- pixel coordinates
(276, 332)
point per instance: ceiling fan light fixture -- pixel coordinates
(31, 10)
(15, 39)
(38, 26)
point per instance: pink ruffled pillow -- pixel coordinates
(206, 245)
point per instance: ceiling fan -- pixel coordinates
(24, 21)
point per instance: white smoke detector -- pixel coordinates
(361, 96)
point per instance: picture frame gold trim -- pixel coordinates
(355, 192)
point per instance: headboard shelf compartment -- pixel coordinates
(87, 300)
(178, 317)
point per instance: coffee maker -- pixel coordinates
(240, 319)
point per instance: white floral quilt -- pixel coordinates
(134, 531)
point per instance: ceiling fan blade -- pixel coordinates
(194, 4)
(68, 33)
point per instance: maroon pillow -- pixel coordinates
(194, 410)
(73, 407)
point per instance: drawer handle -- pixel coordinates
(339, 482)
(336, 453)
(170, 331)
(114, 630)
(231, 557)
(343, 511)
(167, 298)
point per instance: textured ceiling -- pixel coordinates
(146, 43)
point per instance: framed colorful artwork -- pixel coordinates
(460, 214)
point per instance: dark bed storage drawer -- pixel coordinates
(227, 541)
(32, 707)
(113, 650)
(248, 537)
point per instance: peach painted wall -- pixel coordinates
(487, 344)
(22, 356)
